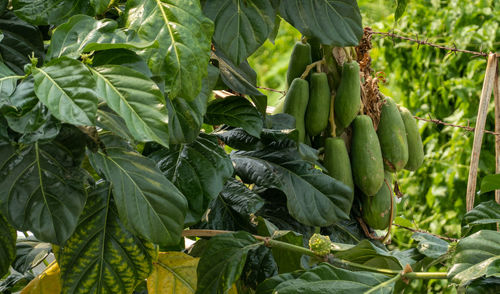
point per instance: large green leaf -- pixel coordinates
(368, 254)
(475, 256)
(82, 33)
(235, 111)
(233, 208)
(275, 214)
(183, 33)
(8, 237)
(241, 27)
(490, 183)
(26, 115)
(102, 256)
(108, 120)
(199, 170)
(287, 260)
(20, 40)
(313, 198)
(44, 12)
(137, 99)
(66, 87)
(123, 57)
(486, 213)
(240, 78)
(430, 245)
(223, 260)
(333, 22)
(8, 81)
(325, 278)
(259, 266)
(44, 190)
(186, 117)
(100, 6)
(29, 253)
(149, 204)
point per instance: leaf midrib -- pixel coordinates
(176, 275)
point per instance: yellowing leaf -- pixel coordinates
(175, 272)
(48, 282)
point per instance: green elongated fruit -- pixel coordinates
(318, 108)
(366, 156)
(348, 98)
(295, 104)
(376, 209)
(337, 161)
(392, 136)
(300, 58)
(415, 147)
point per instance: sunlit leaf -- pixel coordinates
(173, 273)
(66, 87)
(183, 33)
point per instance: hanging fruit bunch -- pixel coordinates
(366, 137)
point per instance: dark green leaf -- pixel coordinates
(483, 214)
(368, 254)
(123, 57)
(430, 245)
(333, 22)
(149, 204)
(135, 98)
(287, 260)
(45, 190)
(241, 78)
(82, 33)
(20, 40)
(8, 237)
(3, 7)
(223, 260)
(476, 256)
(108, 120)
(28, 116)
(241, 27)
(347, 232)
(489, 285)
(100, 6)
(490, 183)
(259, 266)
(29, 253)
(8, 82)
(183, 33)
(233, 207)
(324, 278)
(186, 117)
(44, 12)
(400, 8)
(89, 260)
(275, 212)
(66, 87)
(313, 198)
(239, 139)
(199, 170)
(235, 111)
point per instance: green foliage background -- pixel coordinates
(430, 82)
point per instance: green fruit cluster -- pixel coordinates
(372, 156)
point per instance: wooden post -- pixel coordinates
(489, 81)
(496, 94)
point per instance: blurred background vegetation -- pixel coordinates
(430, 82)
